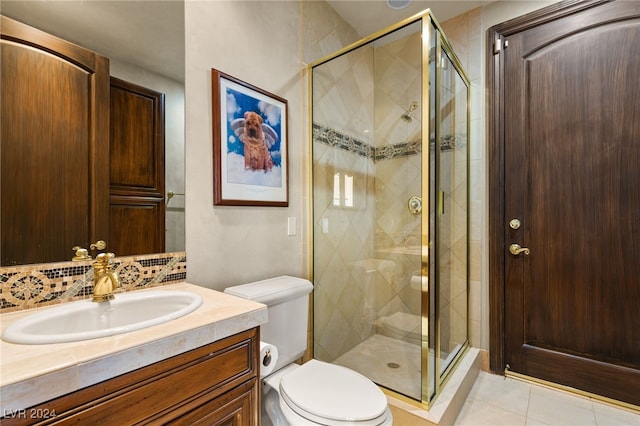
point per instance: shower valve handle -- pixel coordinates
(415, 205)
(515, 250)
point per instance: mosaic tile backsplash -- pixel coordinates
(32, 286)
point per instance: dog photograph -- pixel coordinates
(253, 140)
(249, 144)
(257, 137)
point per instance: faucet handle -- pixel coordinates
(81, 254)
(103, 260)
(98, 245)
(105, 257)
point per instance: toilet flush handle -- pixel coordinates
(267, 358)
(515, 250)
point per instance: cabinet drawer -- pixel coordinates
(235, 408)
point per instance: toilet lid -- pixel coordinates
(318, 390)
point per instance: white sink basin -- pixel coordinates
(84, 319)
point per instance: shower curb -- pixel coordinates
(448, 404)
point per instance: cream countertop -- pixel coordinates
(30, 374)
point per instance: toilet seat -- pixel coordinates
(329, 394)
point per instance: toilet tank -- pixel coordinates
(287, 300)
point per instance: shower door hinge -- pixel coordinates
(497, 45)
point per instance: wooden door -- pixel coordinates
(54, 147)
(567, 155)
(137, 175)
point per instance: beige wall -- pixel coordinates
(260, 43)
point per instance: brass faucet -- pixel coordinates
(105, 279)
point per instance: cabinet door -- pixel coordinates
(54, 159)
(235, 408)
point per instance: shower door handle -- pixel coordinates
(515, 250)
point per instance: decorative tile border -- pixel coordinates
(450, 142)
(403, 149)
(333, 138)
(32, 286)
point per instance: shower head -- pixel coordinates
(407, 116)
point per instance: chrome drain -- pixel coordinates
(393, 365)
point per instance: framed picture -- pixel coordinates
(249, 144)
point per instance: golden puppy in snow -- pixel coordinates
(256, 153)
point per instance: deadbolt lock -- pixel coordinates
(514, 224)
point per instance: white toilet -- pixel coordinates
(315, 393)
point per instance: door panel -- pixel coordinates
(136, 225)
(571, 176)
(583, 197)
(137, 140)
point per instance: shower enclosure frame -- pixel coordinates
(430, 28)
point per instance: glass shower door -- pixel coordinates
(452, 222)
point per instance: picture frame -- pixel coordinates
(250, 144)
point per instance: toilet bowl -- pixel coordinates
(319, 393)
(316, 392)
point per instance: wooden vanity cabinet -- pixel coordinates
(216, 384)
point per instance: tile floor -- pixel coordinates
(495, 400)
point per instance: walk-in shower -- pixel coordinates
(390, 208)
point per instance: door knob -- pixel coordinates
(515, 250)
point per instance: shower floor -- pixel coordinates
(392, 363)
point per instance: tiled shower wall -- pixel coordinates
(343, 310)
(398, 82)
(32, 286)
(343, 96)
(359, 274)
